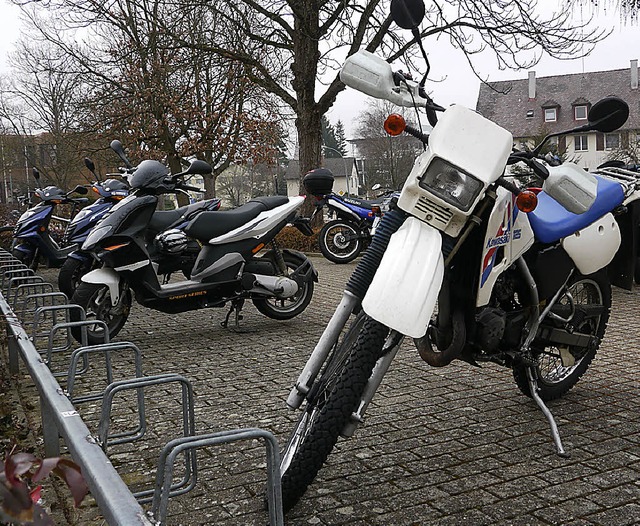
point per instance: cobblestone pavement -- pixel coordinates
(457, 445)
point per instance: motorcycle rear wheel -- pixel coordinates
(95, 299)
(334, 396)
(554, 378)
(287, 308)
(340, 241)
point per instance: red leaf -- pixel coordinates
(17, 465)
(71, 474)
(46, 466)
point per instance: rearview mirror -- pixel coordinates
(117, 147)
(82, 190)
(198, 167)
(407, 14)
(89, 164)
(608, 114)
(36, 174)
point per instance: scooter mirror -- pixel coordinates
(198, 167)
(407, 14)
(608, 114)
(36, 174)
(89, 164)
(82, 190)
(117, 147)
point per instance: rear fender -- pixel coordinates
(105, 276)
(405, 288)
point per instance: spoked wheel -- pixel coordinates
(286, 308)
(330, 403)
(96, 301)
(6, 238)
(588, 299)
(340, 241)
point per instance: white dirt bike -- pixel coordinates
(469, 265)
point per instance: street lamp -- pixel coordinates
(343, 160)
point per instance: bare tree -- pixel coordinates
(162, 100)
(42, 104)
(387, 160)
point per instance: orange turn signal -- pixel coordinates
(116, 247)
(394, 124)
(527, 201)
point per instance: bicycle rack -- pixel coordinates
(188, 425)
(173, 448)
(107, 349)
(60, 419)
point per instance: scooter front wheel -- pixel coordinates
(71, 274)
(95, 299)
(340, 241)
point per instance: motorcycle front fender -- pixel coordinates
(405, 288)
(105, 276)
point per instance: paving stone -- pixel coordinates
(448, 446)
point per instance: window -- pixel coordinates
(611, 141)
(580, 113)
(581, 143)
(550, 115)
(530, 114)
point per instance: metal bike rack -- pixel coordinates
(107, 349)
(188, 425)
(173, 448)
(60, 419)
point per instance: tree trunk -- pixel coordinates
(305, 68)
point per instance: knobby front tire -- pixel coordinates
(330, 403)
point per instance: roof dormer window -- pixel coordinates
(550, 115)
(530, 114)
(580, 112)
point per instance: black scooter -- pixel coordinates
(227, 270)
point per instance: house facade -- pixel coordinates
(533, 107)
(344, 170)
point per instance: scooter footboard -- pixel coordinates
(405, 288)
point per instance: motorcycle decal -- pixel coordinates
(503, 237)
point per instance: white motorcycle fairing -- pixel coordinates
(105, 276)
(405, 288)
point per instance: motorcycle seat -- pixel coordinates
(550, 221)
(208, 225)
(163, 219)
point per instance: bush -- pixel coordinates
(291, 237)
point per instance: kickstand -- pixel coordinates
(533, 387)
(236, 307)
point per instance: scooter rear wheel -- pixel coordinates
(95, 299)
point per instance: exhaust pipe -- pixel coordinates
(280, 286)
(453, 351)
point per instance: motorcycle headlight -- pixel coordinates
(451, 184)
(96, 235)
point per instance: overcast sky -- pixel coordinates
(458, 84)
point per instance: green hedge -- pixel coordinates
(291, 237)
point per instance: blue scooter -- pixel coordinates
(32, 235)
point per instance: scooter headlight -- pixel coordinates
(96, 235)
(451, 184)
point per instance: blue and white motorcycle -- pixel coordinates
(469, 265)
(342, 239)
